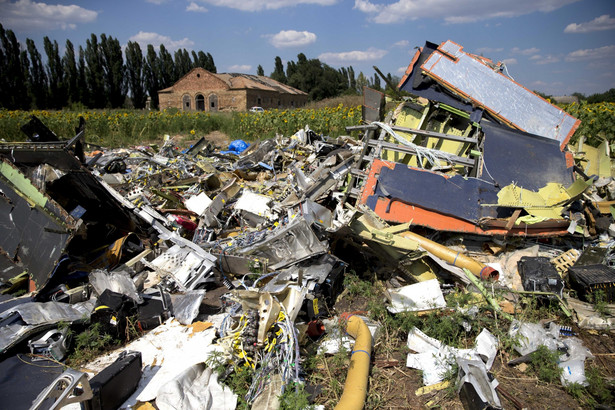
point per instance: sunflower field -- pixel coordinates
(597, 121)
(115, 128)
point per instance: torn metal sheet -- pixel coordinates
(21, 322)
(476, 389)
(117, 281)
(474, 77)
(287, 245)
(186, 305)
(373, 105)
(36, 228)
(528, 160)
(400, 193)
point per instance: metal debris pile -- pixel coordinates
(231, 259)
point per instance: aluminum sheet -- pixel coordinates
(471, 77)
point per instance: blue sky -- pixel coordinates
(553, 46)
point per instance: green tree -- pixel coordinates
(55, 73)
(608, 96)
(113, 69)
(580, 96)
(94, 74)
(152, 75)
(71, 74)
(278, 71)
(183, 64)
(361, 82)
(167, 68)
(135, 74)
(82, 79)
(14, 68)
(260, 70)
(315, 78)
(38, 84)
(352, 79)
(375, 83)
(291, 69)
(211, 66)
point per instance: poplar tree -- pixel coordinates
(94, 74)
(135, 64)
(167, 68)
(152, 75)
(278, 71)
(14, 66)
(71, 74)
(113, 69)
(55, 74)
(38, 83)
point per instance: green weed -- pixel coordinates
(598, 386)
(89, 344)
(544, 364)
(295, 397)
(599, 300)
(239, 382)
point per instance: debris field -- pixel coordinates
(453, 250)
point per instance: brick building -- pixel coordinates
(200, 90)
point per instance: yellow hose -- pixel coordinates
(355, 389)
(453, 257)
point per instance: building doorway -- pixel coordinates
(200, 102)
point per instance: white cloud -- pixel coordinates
(548, 59)
(510, 61)
(156, 1)
(402, 43)
(486, 50)
(525, 52)
(366, 7)
(591, 54)
(240, 68)
(454, 11)
(370, 54)
(257, 5)
(196, 8)
(291, 38)
(29, 14)
(402, 70)
(604, 22)
(144, 38)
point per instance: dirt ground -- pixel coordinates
(219, 139)
(394, 384)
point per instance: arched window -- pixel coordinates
(200, 102)
(186, 103)
(213, 102)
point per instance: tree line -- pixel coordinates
(98, 75)
(322, 81)
(102, 75)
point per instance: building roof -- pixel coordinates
(238, 81)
